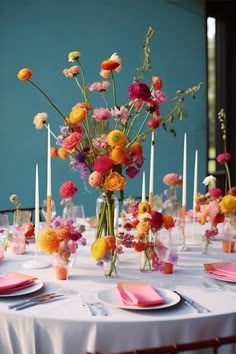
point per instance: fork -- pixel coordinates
(93, 305)
(211, 286)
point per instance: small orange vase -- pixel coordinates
(168, 268)
(228, 246)
(61, 272)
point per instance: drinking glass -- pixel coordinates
(78, 214)
(4, 232)
(44, 209)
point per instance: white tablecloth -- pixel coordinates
(66, 326)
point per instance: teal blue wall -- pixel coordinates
(40, 33)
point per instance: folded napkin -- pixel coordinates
(139, 294)
(226, 270)
(11, 282)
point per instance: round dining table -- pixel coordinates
(75, 323)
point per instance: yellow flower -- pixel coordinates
(228, 204)
(144, 207)
(143, 227)
(114, 182)
(72, 56)
(77, 115)
(48, 241)
(40, 119)
(116, 138)
(99, 248)
(24, 74)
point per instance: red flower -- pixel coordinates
(139, 90)
(215, 193)
(225, 156)
(232, 191)
(156, 220)
(102, 164)
(68, 189)
(132, 172)
(71, 141)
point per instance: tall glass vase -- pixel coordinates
(229, 231)
(173, 206)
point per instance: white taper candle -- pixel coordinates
(184, 186)
(195, 182)
(144, 187)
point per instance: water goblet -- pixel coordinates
(78, 214)
(4, 232)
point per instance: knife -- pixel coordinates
(30, 300)
(193, 304)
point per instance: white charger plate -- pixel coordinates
(38, 284)
(112, 297)
(218, 277)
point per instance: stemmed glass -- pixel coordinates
(229, 231)
(4, 232)
(44, 209)
(78, 214)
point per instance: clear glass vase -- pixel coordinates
(111, 267)
(173, 206)
(107, 214)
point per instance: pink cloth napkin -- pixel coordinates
(139, 294)
(226, 270)
(12, 282)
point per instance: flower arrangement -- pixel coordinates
(105, 142)
(171, 204)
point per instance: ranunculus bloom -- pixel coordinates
(53, 152)
(172, 179)
(71, 141)
(24, 74)
(99, 248)
(48, 241)
(72, 56)
(40, 119)
(102, 164)
(154, 123)
(232, 191)
(157, 82)
(225, 156)
(131, 171)
(95, 179)
(136, 148)
(118, 155)
(144, 207)
(109, 64)
(72, 71)
(68, 189)
(114, 182)
(143, 227)
(139, 90)
(215, 193)
(156, 220)
(228, 203)
(116, 138)
(168, 221)
(77, 115)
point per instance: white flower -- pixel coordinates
(208, 180)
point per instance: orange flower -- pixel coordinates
(114, 182)
(168, 221)
(53, 152)
(111, 242)
(140, 236)
(99, 248)
(228, 203)
(143, 226)
(24, 74)
(62, 153)
(77, 115)
(119, 155)
(136, 149)
(109, 64)
(48, 241)
(144, 207)
(62, 234)
(157, 82)
(139, 246)
(116, 138)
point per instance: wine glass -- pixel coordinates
(78, 214)
(44, 209)
(229, 231)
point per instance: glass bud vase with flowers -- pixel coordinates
(67, 191)
(172, 205)
(228, 208)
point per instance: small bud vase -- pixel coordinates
(111, 267)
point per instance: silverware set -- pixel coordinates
(36, 300)
(192, 304)
(94, 307)
(219, 285)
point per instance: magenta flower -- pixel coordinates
(225, 156)
(100, 114)
(160, 96)
(139, 90)
(132, 171)
(215, 193)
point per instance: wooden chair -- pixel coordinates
(211, 344)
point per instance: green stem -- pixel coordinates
(113, 88)
(228, 177)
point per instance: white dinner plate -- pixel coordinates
(112, 297)
(218, 277)
(38, 284)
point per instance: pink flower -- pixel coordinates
(95, 179)
(102, 164)
(215, 193)
(121, 114)
(225, 156)
(68, 189)
(99, 86)
(101, 114)
(71, 141)
(172, 179)
(139, 90)
(132, 171)
(72, 71)
(160, 96)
